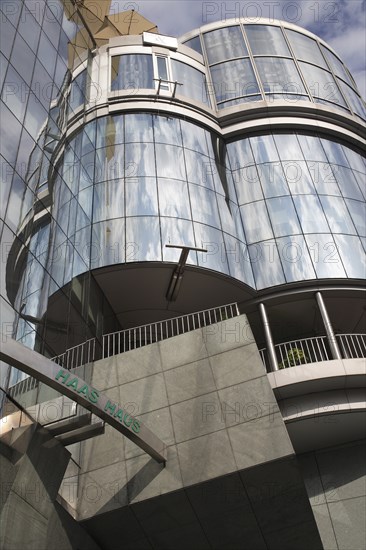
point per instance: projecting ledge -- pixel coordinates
(318, 377)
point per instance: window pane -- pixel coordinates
(144, 235)
(266, 265)
(273, 179)
(141, 197)
(108, 243)
(233, 79)
(337, 65)
(110, 130)
(140, 159)
(335, 152)
(283, 216)
(194, 137)
(77, 91)
(204, 206)
(356, 103)
(295, 258)
(195, 44)
(239, 153)
(193, 81)
(324, 255)
(167, 130)
(347, 183)
(212, 240)
(266, 40)
(352, 254)
(321, 84)
(256, 222)
(199, 169)
(358, 215)
(239, 262)
(247, 184)
(306, 48)
(132, 71)
(311, 215)
(170, 162)
(279, 75)
(288, 147)
(298, 177)
(337, 215)
(225, 43)
(178, 232)
(139, 127)
(264, 149)
(108, 201)
(173, 198)
(312, 148)
(323, 177)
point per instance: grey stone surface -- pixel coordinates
(325, 526)
(167, 513)
(247, 402)
(312, 480)
(102, 490)
(21, 525)
(218, 496)
(102, 450)
(146, 478)
(196, 417)
(189, 381)
(159, 422)
(206, 457)
(41, 471)
(182, 349)
(229, 334)
(260, 441)
(237, 365)
(146, 394)
(136, 364)
(234, 530)
(343, 471)
(348, 519)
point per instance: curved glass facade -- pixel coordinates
(252, 62)
(270, 208)
(286, 207)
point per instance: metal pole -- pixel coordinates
(336, 354)
(268, 336)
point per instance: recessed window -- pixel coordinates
(132, 72)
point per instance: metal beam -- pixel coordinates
(268, 336)
(336, 354)
(67, 383)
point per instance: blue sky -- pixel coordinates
(341, 24)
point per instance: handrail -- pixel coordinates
(315, 349)
(135, 337)
(128, 339)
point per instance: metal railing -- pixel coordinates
(133, 338)
(77, 356)
(353, 346)
(315, 349)
(136, 337)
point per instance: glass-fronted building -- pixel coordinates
(240, 142)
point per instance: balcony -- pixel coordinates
(316, 349)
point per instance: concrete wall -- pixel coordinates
(336, 484)
(32, 465)
(231, 479)
(204, 393)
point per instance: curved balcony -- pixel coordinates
(313, 350)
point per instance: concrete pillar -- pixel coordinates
(268, 336)
(336, 354)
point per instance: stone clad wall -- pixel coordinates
(204, 393)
